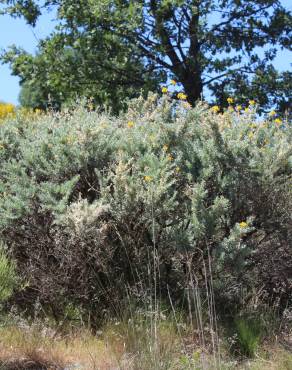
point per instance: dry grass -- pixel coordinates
(121, 347)
(23, 349)
(273, 358)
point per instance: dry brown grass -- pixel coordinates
(20, 349)
(121, 347)
(273, 358)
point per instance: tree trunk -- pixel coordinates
(186, 68)
(193, 87)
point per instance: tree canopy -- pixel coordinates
(111, 49)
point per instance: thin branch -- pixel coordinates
(178, 38)
(237, 16)
(164, 36)
(243, 68)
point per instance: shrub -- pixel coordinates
(6, 110)
(95, 207)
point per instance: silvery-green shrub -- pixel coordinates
(91, 204)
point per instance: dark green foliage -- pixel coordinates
(35, 97)
(81, 61)
(112, 49)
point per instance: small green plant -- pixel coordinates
(249, 332)
(8, 277)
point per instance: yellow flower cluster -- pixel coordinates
(215, 109)
(182, 96)
(246, 109)
(278, 121)
(148, 178)
(251, 103)
(6, 109)
(131, 124)
(243, 225)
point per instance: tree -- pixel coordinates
(61, 72)
(76, 62)
(205, 45)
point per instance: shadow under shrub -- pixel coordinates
(95, 208)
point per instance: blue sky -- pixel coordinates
(16, 31)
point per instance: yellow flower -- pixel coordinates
(6, 110)
(173, 82)
(230, 100)
(182, 96)
(170, 157)
(164, 89)
(165, 148)
(246, 110)
(215, 109)
(278, 121)
(130, 124)
(148, 178)
(272, 113)
(177, 169)
(187, 105)
(252, 102)
(238, 108)
(250, 135)
(243, 225)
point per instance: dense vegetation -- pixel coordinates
(164, 201)
(142, 228)
(111, 50)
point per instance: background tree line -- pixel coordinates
(111, 50)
